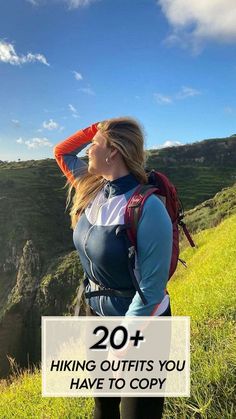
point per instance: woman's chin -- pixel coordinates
(91, 169)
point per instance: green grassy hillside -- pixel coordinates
(211, 212)
(199, 170)
(206, 292)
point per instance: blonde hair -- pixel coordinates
(125, 134)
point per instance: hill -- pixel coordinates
(205, 291)
(211, 212)
(199, 170)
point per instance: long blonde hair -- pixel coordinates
(125, 134)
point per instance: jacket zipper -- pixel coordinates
(90, 262)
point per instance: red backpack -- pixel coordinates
(161, 186)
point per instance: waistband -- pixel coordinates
(98, 290)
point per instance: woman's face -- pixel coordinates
(97, 154)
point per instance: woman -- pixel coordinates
(102, 189)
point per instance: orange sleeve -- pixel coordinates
(66, 152)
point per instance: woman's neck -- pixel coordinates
(116, 173)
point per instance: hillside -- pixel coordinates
(32, 209)
(199, 170)
(211, 212)
(205, 291)
(38, 264)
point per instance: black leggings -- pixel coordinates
(131, 407)
(128, 407)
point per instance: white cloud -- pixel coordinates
(33, 2)
(50, 125)
(74, 4)
(35, 142)
(187, 92)
(162, 99)
(170, 143)
(15, 122)
(31, 58)
(166, 144)
(87, 90)
(73, 110)
(77, 75)
(9, 55)
(184, 93)
(195, 21)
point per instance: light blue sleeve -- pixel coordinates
(154, 250)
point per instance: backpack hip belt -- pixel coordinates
(109, 292)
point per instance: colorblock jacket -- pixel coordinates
(103, 253)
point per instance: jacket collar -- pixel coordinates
(120, 186)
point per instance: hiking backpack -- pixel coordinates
(161, 186)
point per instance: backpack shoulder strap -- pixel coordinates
(133, 213)
(134, 209)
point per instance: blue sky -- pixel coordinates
(65, 64)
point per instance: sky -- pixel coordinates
(65, 64)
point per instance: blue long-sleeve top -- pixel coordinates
(104, 254)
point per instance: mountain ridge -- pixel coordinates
(223, 142)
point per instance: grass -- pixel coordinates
(211, 212)
(22, 399)
(205, 291)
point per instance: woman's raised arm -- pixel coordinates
(66, 152)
